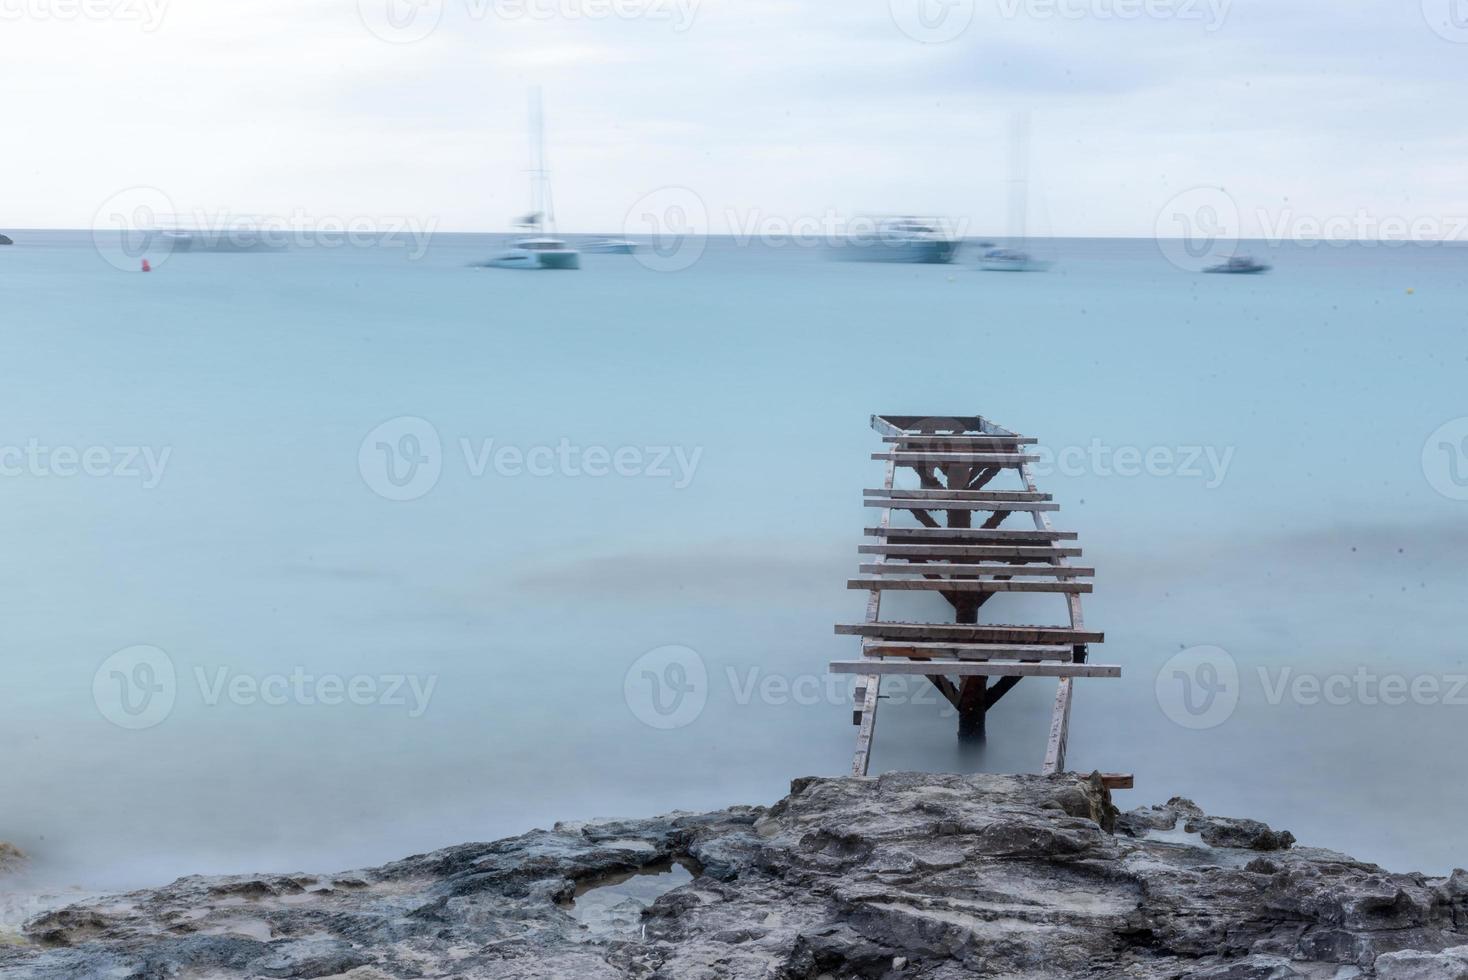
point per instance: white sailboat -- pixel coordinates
(539, 249)
(1015, 257)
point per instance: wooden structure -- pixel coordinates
(954, 545)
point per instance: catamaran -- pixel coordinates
(539, 248)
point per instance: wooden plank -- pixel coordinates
(1059, 730)
(959, 494)
(902, 503)
(969, 651)
(868, 725)
(871, 685)
(1001, 687)
(957, 535)
(1015, 552)
(1118, 780)
(967, 439)
(918, 457)
(963, 633)
(964, 585)
(968, 668)
(948, 568)
(912, 424)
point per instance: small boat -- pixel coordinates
(610, 246)
(1011, 260)
(1240, 265)
(235, 238)
(539, 249)
(915, 240)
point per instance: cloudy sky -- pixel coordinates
(769, 112)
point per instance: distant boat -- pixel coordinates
(1015, 257)
(1240, 265)
(539, 249)
(915, 240)
(244, 237)
(610, 246)
(1011, 260)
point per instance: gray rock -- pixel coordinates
(5, 240)
(912, 876)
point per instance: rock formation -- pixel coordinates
(927, 877)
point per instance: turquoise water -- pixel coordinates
(258, 549)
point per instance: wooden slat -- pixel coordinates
(948, 568)
(959, 494)
(905, 458)
(964, 633)
(950, 668)
(871, 685)
(959, 535)
(964, 585)
(968, 651)
(1055, 745)
(1118, 780)
(899, 503)
(1016, 552)
(968, 439)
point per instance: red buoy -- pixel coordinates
(146, 266)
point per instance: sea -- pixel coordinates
(320, 557)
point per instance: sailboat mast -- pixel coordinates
(540, 195)
(1019, 176)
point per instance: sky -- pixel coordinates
(741, 116)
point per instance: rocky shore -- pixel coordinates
(928, 877)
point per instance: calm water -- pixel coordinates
(259, 555)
